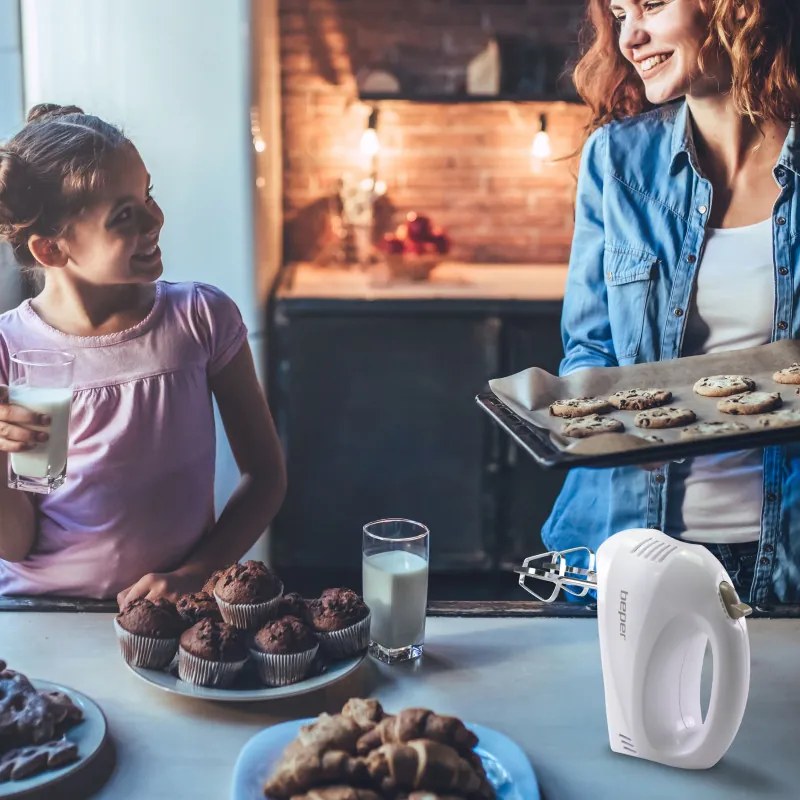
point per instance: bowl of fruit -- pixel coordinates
(415, 248)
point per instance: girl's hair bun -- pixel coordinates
(19, 204)
(44, 111)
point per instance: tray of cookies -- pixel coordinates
(654, 412)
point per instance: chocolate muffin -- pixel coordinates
(211, 653)
(196, 606)
(208, 586)
(148, 632)
(336, 609)
(283, 651)
(341, 619)
(292, 605)
(247, 594)
(285, 635)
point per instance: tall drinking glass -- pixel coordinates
(395, 572)
(41, 381)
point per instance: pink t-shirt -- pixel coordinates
(139, 492)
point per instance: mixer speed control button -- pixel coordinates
(734, 607)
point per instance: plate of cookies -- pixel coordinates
(47, 732)
(653, 412)
(242, 639)
(364, 753)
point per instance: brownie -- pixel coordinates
(214, 641)
(336, 609)
(285, 635)
(197, 606)
(292, 605)
(250, 582)
(158, 619)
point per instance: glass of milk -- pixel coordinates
(395, 556)
(41, 380)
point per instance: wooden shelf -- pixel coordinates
(370, 97)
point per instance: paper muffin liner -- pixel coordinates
(346, 642)
(204, 672)
(147, 652)
(248, 616)
(281, 669)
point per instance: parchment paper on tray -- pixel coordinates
(525, 400)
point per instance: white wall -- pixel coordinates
(175, 75)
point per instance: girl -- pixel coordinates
(136, 516)
(686, 243)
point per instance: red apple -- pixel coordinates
(416, 248)
(441, 242)
(391, 244)
(419, 227)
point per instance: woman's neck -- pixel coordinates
(82, 309)
(728, 144)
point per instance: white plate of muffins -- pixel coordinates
(242, 639)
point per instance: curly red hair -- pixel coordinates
(761, 39)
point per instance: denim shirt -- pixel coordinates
(640, 227)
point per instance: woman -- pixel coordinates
(686, 242)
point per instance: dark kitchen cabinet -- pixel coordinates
(374, 403)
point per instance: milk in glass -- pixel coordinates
(45, 458)
(396, 590)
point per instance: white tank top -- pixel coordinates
(715, 499)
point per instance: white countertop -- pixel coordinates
(449, 280)
(537, 680)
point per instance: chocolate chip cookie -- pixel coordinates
(712, 429)
(789, 374)
(724, 385)
(591, 425)
(579, 407)
(750, 403)
(785, 418)
(639, 399)
(669, 417)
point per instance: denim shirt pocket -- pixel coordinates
(629, 276)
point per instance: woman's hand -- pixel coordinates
(170, 585)
(20, 429)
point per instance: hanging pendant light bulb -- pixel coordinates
(370, 144)
(541, 150)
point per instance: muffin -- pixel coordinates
(196, 606)
(341, 620)
(283, 651)
(208, 586)
(291, 605)
(247, 594)
(148, 632)
(211, 654)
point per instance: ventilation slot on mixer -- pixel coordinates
(627, 744)
(654, 549)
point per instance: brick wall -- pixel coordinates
(467, 165)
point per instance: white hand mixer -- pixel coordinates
(659, 602)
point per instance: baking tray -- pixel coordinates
(520, 405)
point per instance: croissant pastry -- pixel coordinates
(342, 793)
(419, 723)
(366, 713)
(328, 732)
(425, 764)
(303, 770)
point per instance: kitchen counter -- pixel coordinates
(537, 680)
(462, 286)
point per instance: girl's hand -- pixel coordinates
(169, 585)
(17, 426)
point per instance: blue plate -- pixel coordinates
(89, 734)
(506, 765)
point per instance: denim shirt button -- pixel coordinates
(764, 561)
(691, 258)
(782, 325)
(702, 209)
(660, 478)
(679, 312)
(772, 497)
(783, 270)
(781, 221)
(768, 548)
